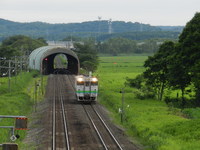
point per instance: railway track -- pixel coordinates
(69, 125)
(76, 125)
(105, 135)
(59, 121)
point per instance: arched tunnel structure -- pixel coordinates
(42, 59)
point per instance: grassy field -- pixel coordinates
(18, 102)
(155, 124)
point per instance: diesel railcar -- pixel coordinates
(86, 88)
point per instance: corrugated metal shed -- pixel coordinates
(37, 57)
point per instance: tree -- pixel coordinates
(136, 82)
(157, 68)
(178, 76)
(20, 45)
(88, 57)
(190, 52)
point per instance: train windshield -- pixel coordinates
(87, 83)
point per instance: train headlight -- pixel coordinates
(94, 79)
(79, 79)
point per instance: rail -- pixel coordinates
(95, 127)
(107, 128)
(58, 96)
(54, 119)
(109, 133)
(64, 121)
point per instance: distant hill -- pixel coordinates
(84, 29)
(171, 28)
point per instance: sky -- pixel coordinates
(153, 12)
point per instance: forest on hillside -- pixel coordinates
(97, 29)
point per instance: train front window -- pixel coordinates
(80, 83)
(87, 83)
(94, 83)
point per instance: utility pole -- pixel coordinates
(21, 68)
(35, 94)
(99, 24)
(0, 71)
(15, 69)
(110, 26)
(122, 106)
(42, 84)
(9, 75)
(99, 18)
(0, 66)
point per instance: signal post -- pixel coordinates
(20, 124)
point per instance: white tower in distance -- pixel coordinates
(99, 18)
(110, 26)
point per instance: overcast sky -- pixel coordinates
(154, 12)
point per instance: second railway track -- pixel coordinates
(105, 135)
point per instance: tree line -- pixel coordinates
(88, 56)
(19, 45)
(115, 46)
(140, 35)
(95, 29)
(175, 66)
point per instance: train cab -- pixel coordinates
(86, 88)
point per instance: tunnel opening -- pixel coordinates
(60, 63)
(46, 60)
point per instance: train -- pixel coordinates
(86, 88)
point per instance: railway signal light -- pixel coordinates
(46, 59)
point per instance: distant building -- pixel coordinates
(67, 44)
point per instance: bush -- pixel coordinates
(178, 102)
(193, 113)
(142, 90)
(184, 130)
(144, 93)
(135, 83)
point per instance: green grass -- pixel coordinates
(156, 125)
(18, 102)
